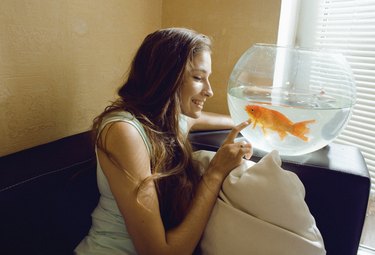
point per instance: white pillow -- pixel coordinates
(261, 211)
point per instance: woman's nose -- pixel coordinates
(208, 90)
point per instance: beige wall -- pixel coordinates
(234, 25)
(61, 61)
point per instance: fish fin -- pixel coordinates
(264, 131)
(300, 129)
(282, 134)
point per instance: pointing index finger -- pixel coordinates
(235, 131)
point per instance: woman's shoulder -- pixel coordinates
(119, 118)
(123, 123)
(120, 132)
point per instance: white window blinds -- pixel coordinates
(348, 26)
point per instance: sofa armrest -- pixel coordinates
(47, 194)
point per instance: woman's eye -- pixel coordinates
(197, 78)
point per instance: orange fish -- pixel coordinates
(276, 121)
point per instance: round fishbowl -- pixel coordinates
(297, 100)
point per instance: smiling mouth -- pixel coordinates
(198, 102)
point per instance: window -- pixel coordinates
(347, 26)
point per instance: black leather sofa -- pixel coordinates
(48, 192)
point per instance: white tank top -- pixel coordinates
(108, 233)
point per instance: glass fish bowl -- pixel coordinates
(297, 100)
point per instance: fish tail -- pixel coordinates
(300, 129)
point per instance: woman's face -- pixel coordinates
(196, 87)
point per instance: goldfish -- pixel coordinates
(278, 122)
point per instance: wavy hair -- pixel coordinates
(152, 94)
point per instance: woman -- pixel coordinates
(154, 200)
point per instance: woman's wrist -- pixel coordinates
(213, 180)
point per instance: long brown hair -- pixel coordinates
(151, 94)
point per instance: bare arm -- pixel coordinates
(210, 121)
(142, 216)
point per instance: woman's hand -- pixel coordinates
(230, 154)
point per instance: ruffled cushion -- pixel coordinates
(260, 210)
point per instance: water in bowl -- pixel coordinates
(326, 116)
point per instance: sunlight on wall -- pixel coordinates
(61, 63)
